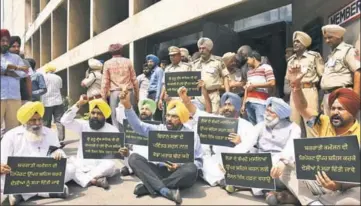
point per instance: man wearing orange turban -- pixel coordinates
(344, 105)
(186, 175)
(90, 171)
(342, 70)
(32, 139)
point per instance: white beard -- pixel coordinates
(33, 136)
(271, 122)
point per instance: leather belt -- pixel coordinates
(95, 97)
(308, 85)
(328, 91)
(211, 91)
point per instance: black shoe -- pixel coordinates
(140, 190)
(174, 195)
(125, 171)
(15, 199)
(102, 182)
(271, 198)
(62, 195)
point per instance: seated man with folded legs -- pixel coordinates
(212, 160)
(146, 108)
(31, 139)
(344, 106)
(90, 171)
(161, 178)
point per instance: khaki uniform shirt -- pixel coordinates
(311, 62)
(235, 75)
(340, 66)
(211, 71)
(181, 67)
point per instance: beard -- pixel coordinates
(337, 121)
(172, 127)
(144, 116)
(96, 124)
(228, 113)
(4, 49)
(271, 122)
(33, 133)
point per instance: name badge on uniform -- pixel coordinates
(210, 70)
(331, 62)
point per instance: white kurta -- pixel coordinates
(211, 170)
(15, 143)
(87, 169)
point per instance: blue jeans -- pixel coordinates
(255, 112)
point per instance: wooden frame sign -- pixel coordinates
(102, 145)
(174, 80)
(249, 170)
(35, 175)
(131, 137)
(338, 157)
(215, 130)
(172, 146)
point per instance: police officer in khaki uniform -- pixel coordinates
(211, 69)
(176, 66)
(185, 55)
(312, 63)
(234, 74)
(342, 68)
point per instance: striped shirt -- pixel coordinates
(260, 75)
(52, 97)
(117, 71)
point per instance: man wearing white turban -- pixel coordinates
(32, 139)
(211, 68)
(90, 171)
(313, 65)
(342, 68)
(93, 79)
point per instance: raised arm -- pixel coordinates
(68, 119)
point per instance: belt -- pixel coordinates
(95, 97)
(308, 85)
(118, 89)
(212, 90)
(328, 91)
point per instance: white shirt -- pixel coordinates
(52, 97)
(93, 82)
(143, 82)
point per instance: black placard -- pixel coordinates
(175, 80)
(131, 137)
(248, 170)
(215, 130)
(176, 147)
(102, 145)
(338, 157)
(35, 175)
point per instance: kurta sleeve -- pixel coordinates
(138, 126)
(288, 153)
(69, 121)
(7, 148)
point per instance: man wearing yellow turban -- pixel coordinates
(312, 63)
(186, 175)
(342, 70)
(31, 139)
(89, 171)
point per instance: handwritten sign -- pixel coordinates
(248, 170)
(176, 147)
(338, 157)
(175, 80)
(35, 175)
(215, 130)
(131, 137)
(102, 145)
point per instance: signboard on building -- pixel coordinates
(346, 14)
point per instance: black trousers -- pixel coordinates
(155, 177)
(56, 111)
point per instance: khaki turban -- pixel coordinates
(180, 109)
(333, 30)
(304, 38)
(102, 105)
(184, 52)
(49, 68)
(205, 41)
(95, 64)
(27, 111)
(228, 57)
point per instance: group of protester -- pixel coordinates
(234, 86)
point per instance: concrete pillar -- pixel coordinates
(76, 74)
(35, 9)
(59, 31)
(45, 42)
(28, 51)
(43, 3)
(28, 18)
(116, 11)
(79, 22)
(36, 47)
